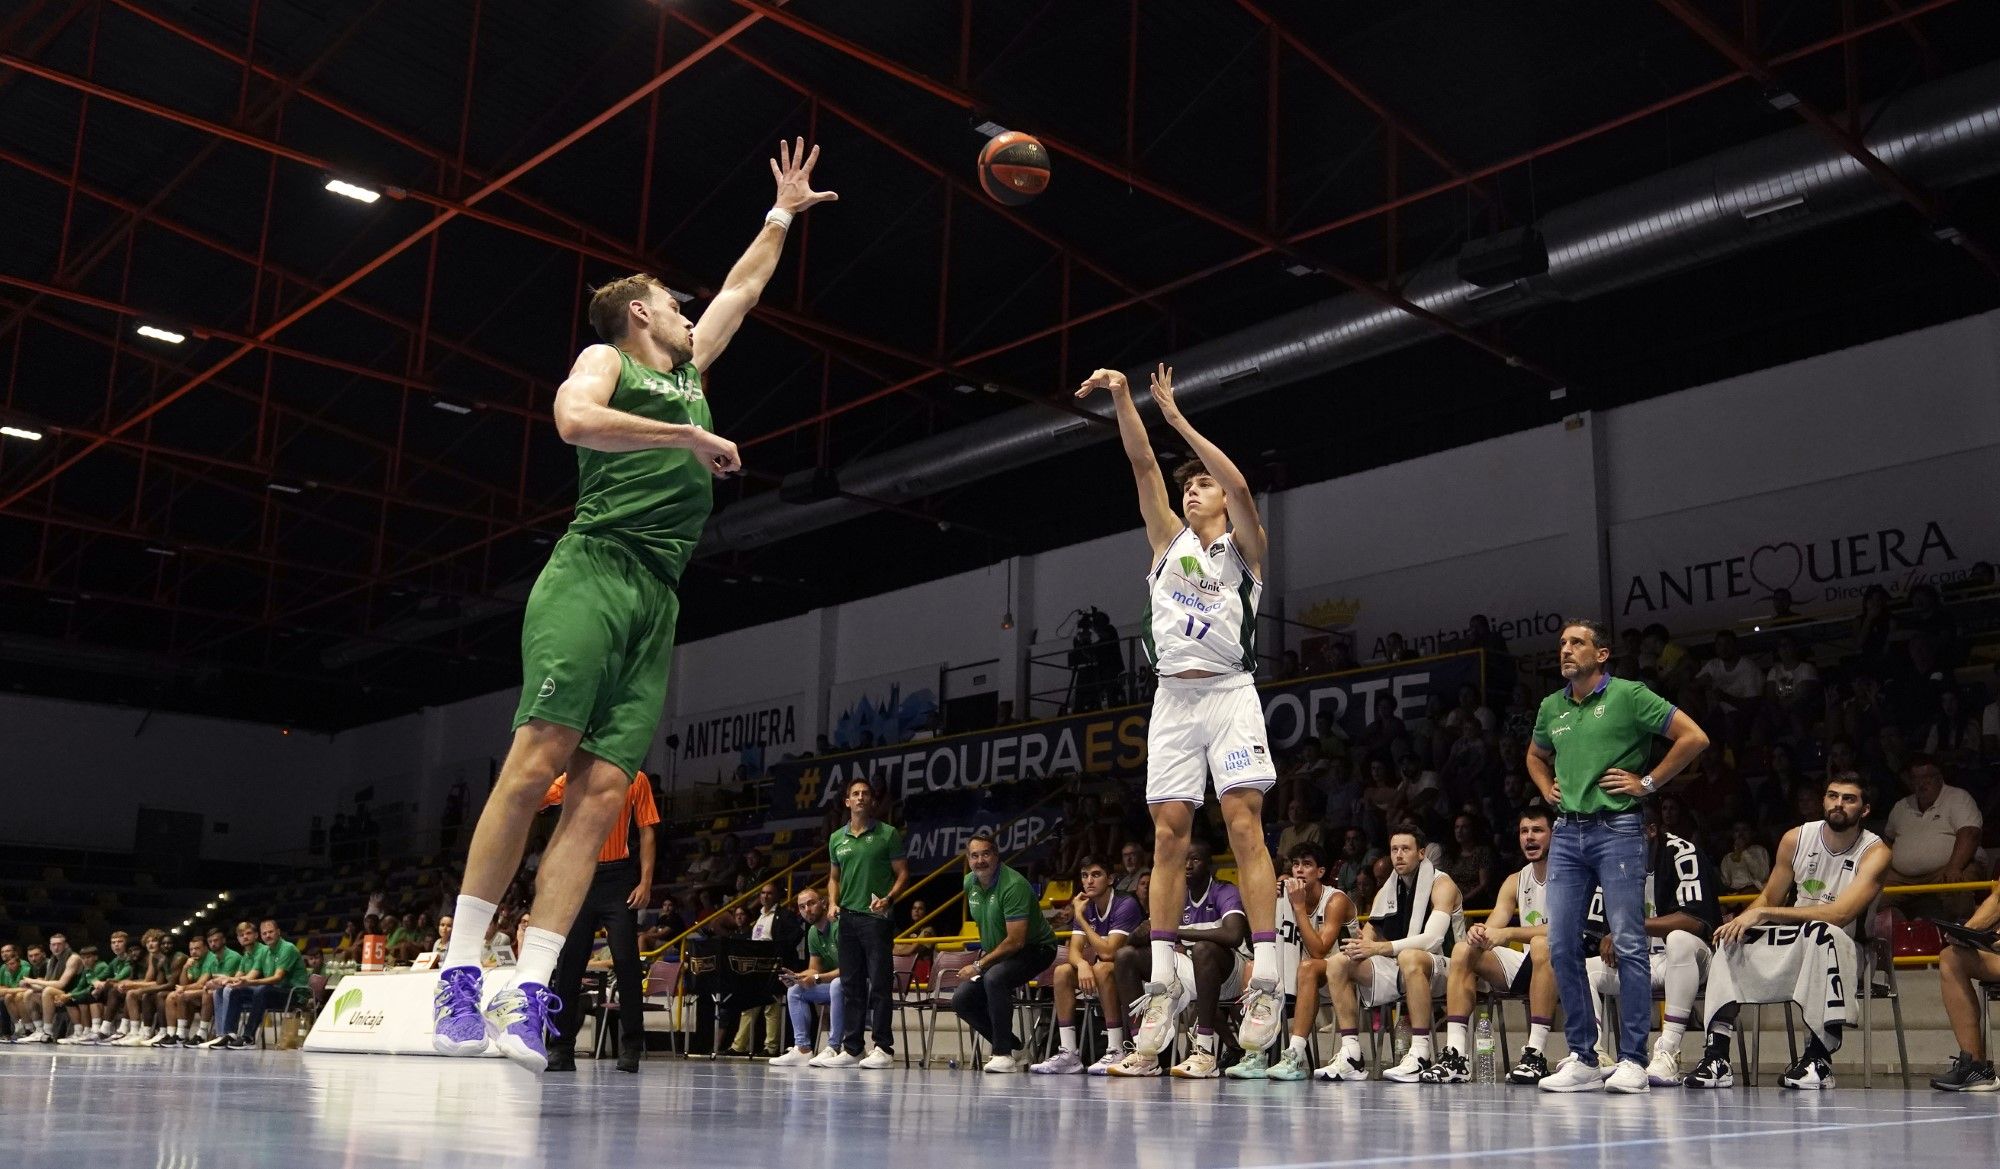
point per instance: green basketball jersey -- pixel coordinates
(652, 502)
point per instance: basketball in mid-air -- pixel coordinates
(1014, 168)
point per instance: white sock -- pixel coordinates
(1670, 1035)
(1420, 1046)
(1296, 1045)
(1114, 1037)
(1350, 1046)
(1538, 1036)
(104, 1027)
(181, 1029)
(201, 1032)
(468, 931)
(124, 1027)
(1068, 1036)
(1455, 1037)
(1163, 961)
(539, 950)
(1264, 962)
(1205, 1043)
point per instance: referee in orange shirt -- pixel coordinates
(620, 888)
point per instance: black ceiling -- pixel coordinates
(151, 176)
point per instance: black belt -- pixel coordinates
(1595, 817)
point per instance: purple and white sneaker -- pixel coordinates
(459, 1030)
(519, 1021)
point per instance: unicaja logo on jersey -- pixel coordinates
(548, 688)
(1813, 886)
(670, 388)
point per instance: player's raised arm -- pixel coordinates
(1246, 525)
(1162, 525)
(793, 170)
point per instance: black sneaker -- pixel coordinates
(1450, 1068)
(561, 1059)
(1533, 1068)
(1808, 1074)
(1711, 1072)
(1967, 1074)
(236, 1043)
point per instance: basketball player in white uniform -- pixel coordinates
(1207, 723)
(1486, 958)
(1832, 870)
(1312, 915)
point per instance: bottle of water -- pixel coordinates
(1484, 1064)
(1402, 1042)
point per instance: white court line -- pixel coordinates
(1635, 1142)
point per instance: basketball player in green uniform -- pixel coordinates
(598, 633)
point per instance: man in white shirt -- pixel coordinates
(1934, 831)
(1738, 685)
(1989, 728)
(1791, 690)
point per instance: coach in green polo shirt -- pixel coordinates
(867, 873)
(1015, 944)
(1592, 739)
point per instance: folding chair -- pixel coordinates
(947, 971)
(1033, 999)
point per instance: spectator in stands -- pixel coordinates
(1792, 697)
(1355, 869)
(1291, 668)
(757, 867)
(1340, 797)
(1934, 831)
(276, 969)
(818, 985)
(1105, 922)
(1989, 729)
(1953, 736)
(1933, 633)
(919, 910)
(1015, 944)
(349, 945)
(1961, 971)
(770, 921)
(1134, 863)
(1302, 829)
(1865, 712)
(1629, 662)
(1394, 650)
(1872, 629)
(1470, 767)
(1659, 655)
(1385, 737)
(1471, 863)
(1737, 686)
(1331, 739)
(1470, 712)
(1747, 865)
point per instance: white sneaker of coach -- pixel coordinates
(1573, 1075)
(1629, 1078)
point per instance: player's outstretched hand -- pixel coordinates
(1104, 379)
(793, 168)
(1163, 392)
(717, 453)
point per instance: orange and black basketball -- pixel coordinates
(1014, 168)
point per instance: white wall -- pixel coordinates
(955, 620)
(76, 775)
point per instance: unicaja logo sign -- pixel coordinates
(1830, 568)
(347, 1012)
(345, 1004)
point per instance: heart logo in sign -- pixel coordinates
(1777, 566)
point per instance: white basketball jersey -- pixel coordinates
(1531, 905)
(1291, 947)
(1820, 875)
(1201, 608)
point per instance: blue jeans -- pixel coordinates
(1607, 854)
(235, 1002)
(802, 1000)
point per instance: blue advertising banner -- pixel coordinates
(951, 786)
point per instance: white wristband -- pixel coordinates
(779, 216)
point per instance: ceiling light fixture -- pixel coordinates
(159, 551)
(287, 488)
(159, 334)
(449, 406)
(354, 191)
(17, 432)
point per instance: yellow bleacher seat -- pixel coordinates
(1228, 874)
(1058, 893)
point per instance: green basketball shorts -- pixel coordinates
(597, 641)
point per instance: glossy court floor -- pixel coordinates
(126, 1109)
